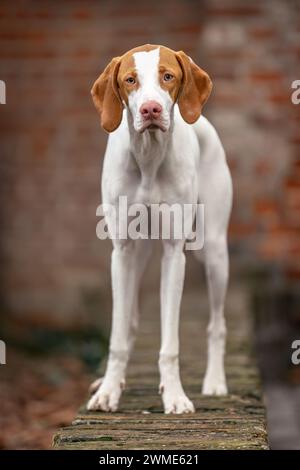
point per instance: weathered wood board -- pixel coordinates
(233, 422)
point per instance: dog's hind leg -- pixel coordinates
(216, 264)
(216, 196)
(215, 192)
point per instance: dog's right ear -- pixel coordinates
(106, 97)
(195, 90)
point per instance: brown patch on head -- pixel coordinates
(185, 81)
(169, 65)
(127, 70)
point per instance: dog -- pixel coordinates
(162, 150)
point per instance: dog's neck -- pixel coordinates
(149, 150)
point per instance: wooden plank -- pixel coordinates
(233, 422)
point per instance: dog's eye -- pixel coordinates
(130, 80)
(168, 77)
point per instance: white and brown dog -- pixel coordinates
(161, 151)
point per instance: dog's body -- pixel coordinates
(161, 151)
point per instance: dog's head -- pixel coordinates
(149, 80)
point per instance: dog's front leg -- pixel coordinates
(123, 269)
(172, 279)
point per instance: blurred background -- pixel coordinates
(55, 280)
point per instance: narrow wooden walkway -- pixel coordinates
(233, 422)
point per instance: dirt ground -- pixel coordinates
(37, 396)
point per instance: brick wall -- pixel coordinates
(253, 53)
(51, 144)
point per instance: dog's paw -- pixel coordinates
(177, 403)
(215, 385)
(107, 397)
(95, 385)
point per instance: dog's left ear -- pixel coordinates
(195, 89)
(106, 96)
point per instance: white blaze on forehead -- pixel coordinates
(146, 64)
(149, 89)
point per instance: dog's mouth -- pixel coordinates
(152, 126)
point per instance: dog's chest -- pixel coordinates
(163, 187)
(149, 192)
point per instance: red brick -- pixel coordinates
(266, 76)
(241, 230)
(82, 14)
(238, 10)
(293, 182)
(264, 206)
(263, 167)
(282, 99)
(263, 33)
(293, 274)
(23, 35)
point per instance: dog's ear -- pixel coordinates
(106, 97)
(195, 89)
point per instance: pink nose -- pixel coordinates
(150, 110)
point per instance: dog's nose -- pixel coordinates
(150, 110)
